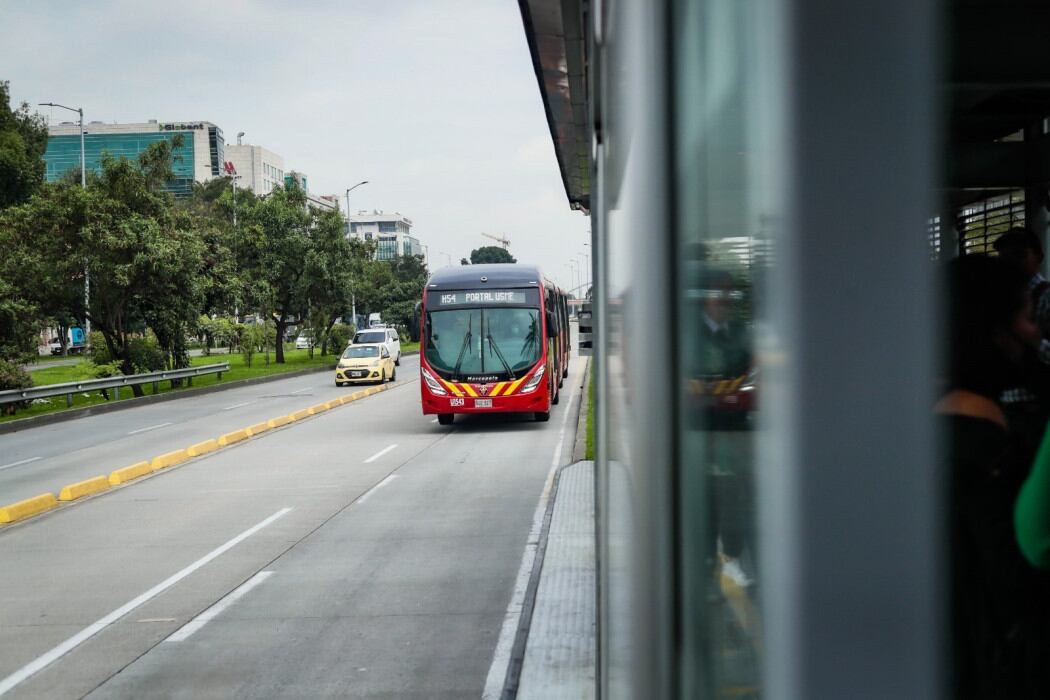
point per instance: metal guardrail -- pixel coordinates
(115, 383)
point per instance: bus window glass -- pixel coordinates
(483, 341)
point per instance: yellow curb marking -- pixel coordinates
(126, 474)
(258, 428)
(278, 421)
(299, 415)
(30, 506)
(169, 459)
(319, 408)
(202, 448)
(235, 436)
(84, 488)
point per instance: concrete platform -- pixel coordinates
(561, 649)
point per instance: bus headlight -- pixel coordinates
(432, 384)
(530, 386)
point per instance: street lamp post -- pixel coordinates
(83, 185)
(353, 291)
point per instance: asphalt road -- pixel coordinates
(366, 552)
(48, 457)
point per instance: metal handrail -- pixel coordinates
(115, 383)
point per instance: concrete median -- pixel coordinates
(202, 448)
(126, 474)
(169, 459)
(87, 487)
(234, 437)
(278, 422)
(27, 508)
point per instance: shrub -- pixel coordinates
(339, 337)
(252, 339)
(12, 376)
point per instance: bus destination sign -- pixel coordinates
(482, 297)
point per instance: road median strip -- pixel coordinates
(278, 422)
(126, 474)
(233, 437)
(202, 448)
(87, 487)
(29, 507)
(258, 429)
(169, 459)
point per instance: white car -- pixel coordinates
(385, 336)
(305, 341)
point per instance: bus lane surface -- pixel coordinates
(381, 552)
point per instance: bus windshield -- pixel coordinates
(499, 343)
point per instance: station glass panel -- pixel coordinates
(725, 209)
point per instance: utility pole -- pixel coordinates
(83, 185)
(353, 282)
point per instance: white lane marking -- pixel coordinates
(90, 631)
(293, 393)
(19, 463)
(152, 427)
(379, 454)
(365, 496)
(187, 630)
(434, 421)
(237, 405)
(505, 645)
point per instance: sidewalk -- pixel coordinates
(561, 649)
(560, 653)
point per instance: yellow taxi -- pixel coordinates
(367, 362)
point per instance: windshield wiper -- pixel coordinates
(493, 346)
(463, 348)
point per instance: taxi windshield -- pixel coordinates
(359, 351)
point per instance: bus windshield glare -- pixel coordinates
(500, 343)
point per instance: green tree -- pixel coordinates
(296, 257)
(144, 258)
(490, 254)
(23, 141)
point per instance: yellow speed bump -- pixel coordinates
(235, 436)
(347, 398)
(299, 415)
(202, 448)
(319, 408)
(84, 488)
(334, 403)
(126, 474)
(278, 421)
(258, 428)
(169, 459)
(30, 506)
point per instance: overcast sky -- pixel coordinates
(433, 101)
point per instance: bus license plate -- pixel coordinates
(482, 403)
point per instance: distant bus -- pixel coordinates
(495, 338)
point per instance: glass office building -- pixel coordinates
(198, 158)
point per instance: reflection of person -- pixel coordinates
(999, 604)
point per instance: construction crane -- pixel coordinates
(503, 240)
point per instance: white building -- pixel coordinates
(390, 232)
(259, 169)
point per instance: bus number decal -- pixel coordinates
(457, 402)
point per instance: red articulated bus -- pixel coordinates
(495, 338)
